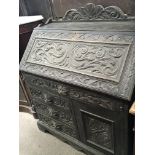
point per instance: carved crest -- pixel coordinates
(94, 12)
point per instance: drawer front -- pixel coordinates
(54, 112)
(52, 86)
(49, 98)
(58, 126)
(102, 129)
(75, 93)
(49, 105)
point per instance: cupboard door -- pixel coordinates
(102, 129)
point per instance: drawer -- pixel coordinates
(96, 99)
(54, 112)
(58, 126)
(51, 105)
(48, 98)
(49, 85)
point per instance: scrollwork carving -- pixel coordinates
(91, 99)
(63, 116)
(86, 36)
(121, 90)
(57, 126)
(62, 90)
(94, 12)
(66, 91)
(36, 93)
(103, 61)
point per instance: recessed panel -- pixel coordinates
(99, 132)
(104, 61)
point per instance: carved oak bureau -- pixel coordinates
(79, 74)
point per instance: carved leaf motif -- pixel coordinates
(51, 52)
(92, 12)
(83, 36)
(73, 14)
(121, 90)
(74, 93)
(97, 59)
(53, 124)
(99, 132)
(103, 61)
(113, 12)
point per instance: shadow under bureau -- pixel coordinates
(79, 74)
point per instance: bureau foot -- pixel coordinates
(66, 139)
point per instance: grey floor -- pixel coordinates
(34, 142)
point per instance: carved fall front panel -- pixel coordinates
(105, 61)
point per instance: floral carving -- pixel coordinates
(94, 12)
(103, 61)
(86, 36)
(57, 126)
(50, 52)
(58, 114)
(70, 91)
(123, 89)
(99, 132)
(91, 99)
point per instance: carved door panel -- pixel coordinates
(102, 129)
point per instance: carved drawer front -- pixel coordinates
(52, 106)
(95, 99)
(57, 126)
(36, 93)
(49, 98)
(49, 85)
(54, 112)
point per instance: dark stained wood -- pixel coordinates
(79, 75)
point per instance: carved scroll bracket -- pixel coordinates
(95, 12)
